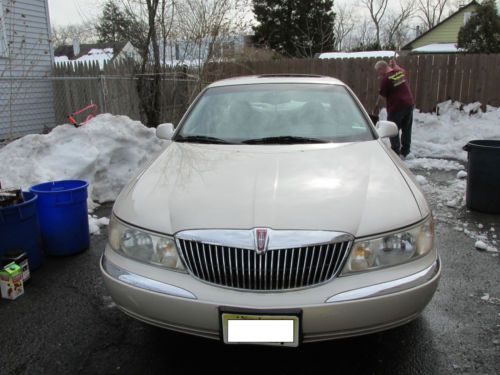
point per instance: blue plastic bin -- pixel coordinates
(62, 210)
(20, 230)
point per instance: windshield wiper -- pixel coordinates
(200, 139)
(287, 139)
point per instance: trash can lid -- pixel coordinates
(59, 186)
(485, 144)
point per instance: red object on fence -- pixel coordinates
(92, 107)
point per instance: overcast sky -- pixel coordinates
(65, 12)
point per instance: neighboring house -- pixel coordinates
(443, 37)
(195, 52)
(357, 55)
(100, 53)
(175, 52)
(26, 94)
(127, 53)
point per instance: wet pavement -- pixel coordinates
(67, 324)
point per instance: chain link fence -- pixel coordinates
(115, 90)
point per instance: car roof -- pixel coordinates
(277, 78)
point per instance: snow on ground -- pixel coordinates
(437, 145)
(422, 180)
(447, 198)
(106, 152)
(96, 223)
(429, 164)
(445, 135)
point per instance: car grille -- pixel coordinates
(274, 270)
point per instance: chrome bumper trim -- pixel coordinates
(142, 282)
(389, 287)
(275, 239)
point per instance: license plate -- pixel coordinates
(260, 329)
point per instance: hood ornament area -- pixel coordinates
(261, 240)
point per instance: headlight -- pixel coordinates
(391, 249)
(144, 246)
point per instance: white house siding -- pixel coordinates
(26, 93)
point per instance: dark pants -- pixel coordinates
(404, 121)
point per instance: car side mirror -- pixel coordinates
(165, 131)
(386, 129)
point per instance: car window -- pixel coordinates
(235, 114)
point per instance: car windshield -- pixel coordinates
(275, 114)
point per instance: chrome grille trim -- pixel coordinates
(277, 269)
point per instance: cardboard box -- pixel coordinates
(21, 259)
(11, 281)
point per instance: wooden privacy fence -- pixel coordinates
(114, 90)
(433, 78)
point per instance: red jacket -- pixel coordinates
(395, 87)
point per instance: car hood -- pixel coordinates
(351, 187)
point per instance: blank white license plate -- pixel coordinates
(261, 329)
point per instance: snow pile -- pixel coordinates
(106, 152)
(482, 246)
(421, 180)
(445, 135)
(428, 164)
(96, 223)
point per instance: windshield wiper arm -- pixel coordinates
(288, 139)
(200, 139)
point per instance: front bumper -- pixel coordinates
(346, 306)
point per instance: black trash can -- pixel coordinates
(483, 176)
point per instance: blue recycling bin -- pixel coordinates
(20, 230)
(62, 211)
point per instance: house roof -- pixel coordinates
(437, 48)
(461, 9)
(67, 50)
(360, 55)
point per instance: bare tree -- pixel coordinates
(396, 26)
(431, 12)
(166, 20)
(201, 25)
(362, 36)
(147, 12)
(344, 25)
(206, 25)
(62, 35)
(377, 10)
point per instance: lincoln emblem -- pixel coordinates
(260, 240)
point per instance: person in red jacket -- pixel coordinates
(395, 89)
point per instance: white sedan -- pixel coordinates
(277, 216)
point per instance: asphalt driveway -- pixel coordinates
(66, 324)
